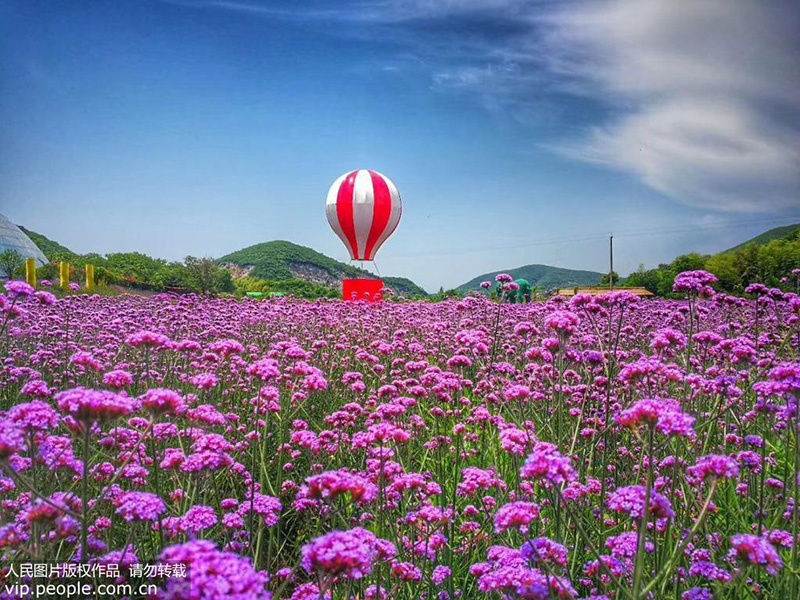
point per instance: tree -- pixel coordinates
(777, 259)
(614, 278)
(98, 260)
(225, 282)
(689, 262)
(443, 294)
(768, 263)
(10, 262)
(207, 276)
(251, 284)
(642, 277)
(174, 274)
(135, 264)
(727, 269)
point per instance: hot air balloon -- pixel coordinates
(363, 209)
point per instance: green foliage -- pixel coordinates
(11, 262)
(404, 287)
(134, 269)
(304, 289)
(173, 275)
(273, 260)
(205, 275)
(280, 260)
(614, 277)
(735, 269)
(442, 294)
(778, 233)
(689, 262)
(135, 265)
(295, 287)
(48, 271)
(98, 260)
(651, 279)
(54, 251)
(250, 284)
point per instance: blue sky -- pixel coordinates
(516, 131)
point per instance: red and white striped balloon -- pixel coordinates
(363, 209)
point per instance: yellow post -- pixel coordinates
(89, 277)
(63, 271)
(30, 271)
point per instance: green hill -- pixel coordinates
(280, 260)
(768, 258)
(283, 263)
(778, 233)
(52, 250)
(542, 277)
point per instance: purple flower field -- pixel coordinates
(603, 447)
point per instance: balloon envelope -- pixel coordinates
(363, 209)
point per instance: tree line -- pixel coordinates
(771, 264)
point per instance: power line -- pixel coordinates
(592, 238)
(688, 228)
(706, 227)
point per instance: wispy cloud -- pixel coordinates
(263, 9)
(700, 99)
(709, 153)
(388, 11)
(708, 95)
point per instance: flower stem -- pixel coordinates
(85, 494)
(678, 552)
(640, 547)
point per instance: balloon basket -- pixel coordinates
(368, 290)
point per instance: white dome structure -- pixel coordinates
(13, 238)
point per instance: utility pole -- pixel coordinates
(611, 262)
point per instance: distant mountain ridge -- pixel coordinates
(281, 260)
(777, 233)
(543, 277)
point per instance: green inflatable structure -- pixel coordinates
(523, 294)
(265, 294)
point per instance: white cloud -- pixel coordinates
(442, 8)
(374, 11)
(708, 94)
(707, 153)
(705, 94)
(745, 47)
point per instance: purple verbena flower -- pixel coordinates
(630, 499)
(546, 463)
(756, 551)
(212, 574)
(139, 506)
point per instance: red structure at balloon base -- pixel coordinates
(370, 290)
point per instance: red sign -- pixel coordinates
(370, 290)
